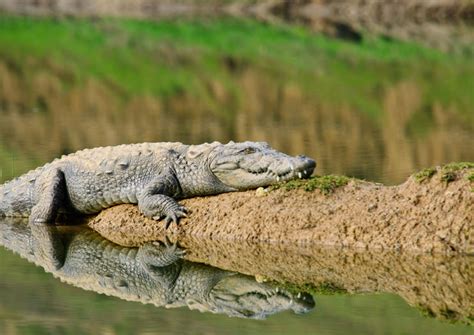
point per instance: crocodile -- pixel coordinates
(153, 273)
(152, 175)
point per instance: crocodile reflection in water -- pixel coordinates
(153, 273)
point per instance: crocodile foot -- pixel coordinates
(172, 214)
(157, 254)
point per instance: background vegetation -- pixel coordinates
(388, 107)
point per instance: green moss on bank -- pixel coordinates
(425, 174)
(458, 166)
(329, 183)
(325, 288)
(325, 184)
(448, 172)
(446, 315)
(470, 176)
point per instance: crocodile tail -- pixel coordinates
(2, 201)
(16, 197)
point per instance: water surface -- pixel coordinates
(351, 290)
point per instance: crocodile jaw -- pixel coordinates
(250, 165)
(241, 296)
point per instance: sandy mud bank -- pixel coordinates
(431, 212)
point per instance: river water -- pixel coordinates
(376, 104)
(222, 287)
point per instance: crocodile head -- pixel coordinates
(242, 296)
(248, 165)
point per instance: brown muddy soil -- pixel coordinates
(434, 215)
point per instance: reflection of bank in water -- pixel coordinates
(152, 273)
(438, 285)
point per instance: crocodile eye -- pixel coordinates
(249, 150)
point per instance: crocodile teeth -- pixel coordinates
(298, 295)
(277, 290)
(305, 172)
(300, 175)
(278, 178)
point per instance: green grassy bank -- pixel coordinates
(168, 57)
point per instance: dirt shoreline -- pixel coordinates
(431, 212)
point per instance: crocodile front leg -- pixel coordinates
(162, 261)
(50, 191)
(48, 246)
(156, 200)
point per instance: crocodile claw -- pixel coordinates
(173, 215)
(167, 242)
(168, 222)
(172, 247)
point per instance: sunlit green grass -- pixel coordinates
(168, 57)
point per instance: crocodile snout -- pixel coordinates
(305, 166)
